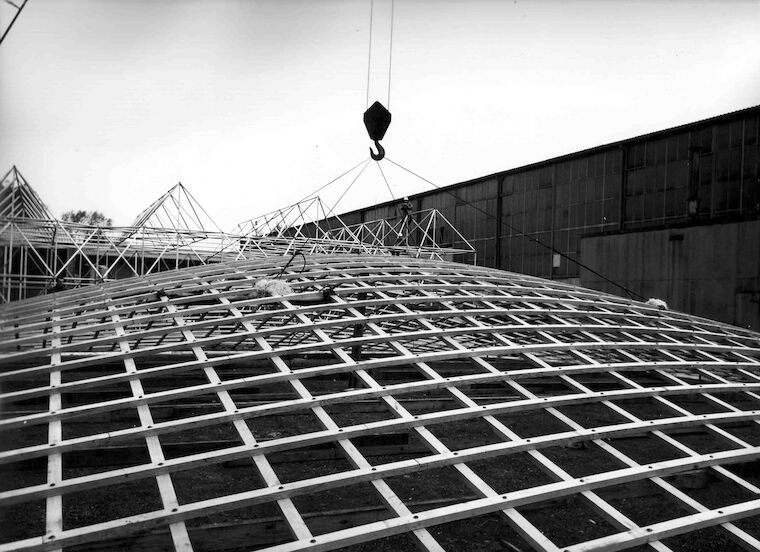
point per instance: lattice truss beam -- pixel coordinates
(417, 233)
(39, 252)
(386, 400)
(311, 227)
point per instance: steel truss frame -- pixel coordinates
(40, 252)
(312, 227)
(134, 348)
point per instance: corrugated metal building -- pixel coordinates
(674, 214)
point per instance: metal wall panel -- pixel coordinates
(707, 270)
(638, 184)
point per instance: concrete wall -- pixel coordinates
(710, 270)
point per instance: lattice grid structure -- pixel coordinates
(387, 401)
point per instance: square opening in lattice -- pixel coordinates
(391, 447)
(97, 421)
(568, 520)
(103, 458)
(532, 423)
(695, 403)
(342, 508)
(104, 367)
(308, 462)
(548, 386)
(645, 449)
(467, 433)
(332, 383)
(96, 395)
(245, 368)
(200, 439)
(742, 401)
(647, 408)
(643, 502)
(112, 502)
(249, 528)
(396, 374)
(186, 408)
(16, 475)
(22, 521)
(703, 441)
(512, 472)
(710, 489)
(170, 380)
(581, 458)
(710, 539)
(489, 533)
(429, 402)
(748, 432)
(456, 367)
(360, 411)
(216, 480)
(432, 488)
(593, 414)
(277, 426)
(22, 437)
(148, 539)
(396, 543)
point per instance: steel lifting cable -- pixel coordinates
(632, 294)
(369, 50)
(390, 54)
(377, 118)
(390, 51)
(386, 181)
(332, 181)
(226, 247)
(332, 209)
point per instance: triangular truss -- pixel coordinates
(177, 209)
(40, 253)
(19, 200)
(310, 227)
(306, 226)
(310, 215)
(420, 234)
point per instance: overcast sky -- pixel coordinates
(106, 104)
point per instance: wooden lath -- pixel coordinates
(201, 343)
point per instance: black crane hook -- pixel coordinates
(377, 119)
(380, 152)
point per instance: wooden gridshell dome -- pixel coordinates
(387, 403)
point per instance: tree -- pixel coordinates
(90, 218)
